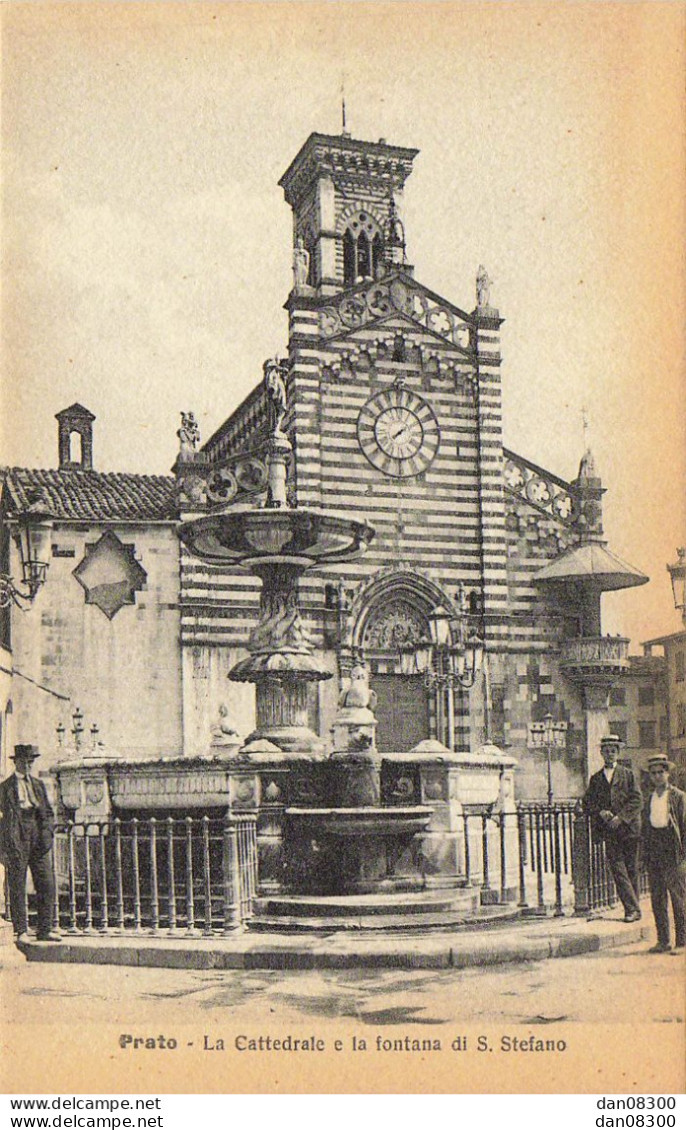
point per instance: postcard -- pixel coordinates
(343, 458)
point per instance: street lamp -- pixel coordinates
(31, 532)
(450, 657)
(677, 572)
(548, 735)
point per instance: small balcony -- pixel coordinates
(594, 659)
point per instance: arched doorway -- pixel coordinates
(404, 708)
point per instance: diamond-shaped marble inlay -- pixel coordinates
(110, 574)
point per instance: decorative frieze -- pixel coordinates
(354, 309)
(540, 489)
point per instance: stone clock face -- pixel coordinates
(398, 432)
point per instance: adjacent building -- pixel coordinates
(638, 708)
(95, 656)
(673, 735)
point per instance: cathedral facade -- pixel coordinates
(476, 607)
(394, 413)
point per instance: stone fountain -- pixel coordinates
(343, 845)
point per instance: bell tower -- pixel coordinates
(346, 197)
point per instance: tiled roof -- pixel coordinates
(85, 496)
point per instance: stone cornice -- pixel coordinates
(343, 157)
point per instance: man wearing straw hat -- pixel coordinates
(26, 835)
(664, 838)
(613, 801)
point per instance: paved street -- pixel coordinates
(596, 988)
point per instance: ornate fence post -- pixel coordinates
(88, 879)
(581, 862)
(467, 853)
(486, 878)
(206, 876)
(171, 877)
(539, 824)
(231, 876)
(154, 879)
(557, 859)
(190, 900)
(55, 879)
(136, 876)
(118, 873)
(521, 832)
(104, 908)
(503, 859)
(71, 864)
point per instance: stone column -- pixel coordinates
(596, 699)
(327, 275)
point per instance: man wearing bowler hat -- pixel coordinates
(664, 839)
(26, 835)
(613, 801)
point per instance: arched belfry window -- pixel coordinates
(363, 249)
(75, 450)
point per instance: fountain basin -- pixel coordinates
(337, 851)
(299, 538)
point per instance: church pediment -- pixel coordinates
(373, 303)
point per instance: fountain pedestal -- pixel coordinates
(282, 663)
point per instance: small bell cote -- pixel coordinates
(75, 438)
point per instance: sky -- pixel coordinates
(147, 246)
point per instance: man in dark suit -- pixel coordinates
(664, 839)
(26, 835)
(613, 801)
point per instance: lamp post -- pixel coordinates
(31, 532)
(677, 573)
(450, 658)
(77, 727)
(548, 735)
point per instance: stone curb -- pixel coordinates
(571, 938)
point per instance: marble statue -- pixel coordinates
(301, 264)
(189, 435)
(358, 694)
(483, 288)
(275, 382)
(223, 732)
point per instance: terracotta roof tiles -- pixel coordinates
(85, 496)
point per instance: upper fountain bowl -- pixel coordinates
(301, 538)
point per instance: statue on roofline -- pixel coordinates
(189, 436)
(275, 372)
(483, 289)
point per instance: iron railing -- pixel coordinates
(523, 855)
(594, 886)
(199, 875)
(192, 874)
(561, 862)
(546, 847)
